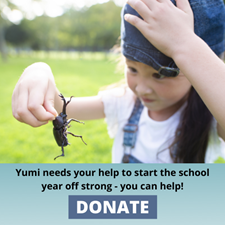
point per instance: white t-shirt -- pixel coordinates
(154, 137)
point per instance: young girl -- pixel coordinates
(164, 114)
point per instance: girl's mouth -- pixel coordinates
(147, 100)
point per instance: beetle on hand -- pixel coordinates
(61, 124)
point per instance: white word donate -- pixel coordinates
(82, 207)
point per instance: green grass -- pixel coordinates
(220, 160)
(74, 75)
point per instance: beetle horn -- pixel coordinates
(64, 103)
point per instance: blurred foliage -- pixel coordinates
(16, 35)
(94, 29)
(3, 24)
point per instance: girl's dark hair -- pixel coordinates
(192, 134)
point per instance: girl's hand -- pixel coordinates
(33, 96)
(166, 26)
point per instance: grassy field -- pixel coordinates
(77, 75)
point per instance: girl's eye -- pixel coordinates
(158, 76)
(132, 70)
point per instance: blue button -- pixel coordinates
(112, 207)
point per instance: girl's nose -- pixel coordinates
(143, 89)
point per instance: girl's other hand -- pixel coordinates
(33, 96)
(166, 26)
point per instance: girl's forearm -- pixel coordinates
(86, 108)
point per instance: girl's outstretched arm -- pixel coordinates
(170, 29)
(36, 100)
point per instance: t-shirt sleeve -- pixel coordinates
(118, 103)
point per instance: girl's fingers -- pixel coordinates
(164, 20)
(23, 113)
(29, 102)
(35, 105)
(135, 21)
(142, 8)
(15, 104)
(162, 1)
(184, 5)
(50, 99)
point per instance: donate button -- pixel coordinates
(112, 207)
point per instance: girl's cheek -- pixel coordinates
(129, 80)
(175, 95)
(131, 84)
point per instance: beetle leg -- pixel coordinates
(76, 136)
(70, 120)
(61, 154)
(64, 134)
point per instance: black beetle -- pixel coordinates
(60, 127)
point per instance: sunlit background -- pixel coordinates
(84, 25)
(76, 39)
(53, 8)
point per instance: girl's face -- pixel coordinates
(163, 96)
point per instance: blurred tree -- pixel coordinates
(6, 6)
(3, 23)
(94, 28)
(104, 26)
(40, 32)
(2, 42)
(16, 35)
